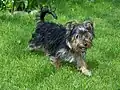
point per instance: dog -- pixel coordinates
(63, 43)
(80, 37)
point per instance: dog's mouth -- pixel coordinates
(80, 49)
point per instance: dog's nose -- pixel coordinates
(87, 44)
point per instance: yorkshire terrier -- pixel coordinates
(69, 42)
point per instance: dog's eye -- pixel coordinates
(77, 36)
(85, 44)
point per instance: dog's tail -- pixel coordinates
(46, 10)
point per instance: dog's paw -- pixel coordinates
(86, 71)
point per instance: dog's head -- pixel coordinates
(80, 35)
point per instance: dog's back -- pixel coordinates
(49, 35)
(53, 36)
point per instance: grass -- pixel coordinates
(22, 70)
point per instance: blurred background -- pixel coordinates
(24, 70)
(29, 5)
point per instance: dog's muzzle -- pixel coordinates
(81, 47)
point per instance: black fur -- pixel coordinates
(49, 35)
(67, 43)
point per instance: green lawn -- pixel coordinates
(23, 70)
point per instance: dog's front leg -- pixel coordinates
(56, 62)
(81, 64)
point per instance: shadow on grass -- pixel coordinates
(92, 64)
(37, 53)
(47, 71)
(67, 64)
(43, 73)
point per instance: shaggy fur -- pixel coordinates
(80, 37)
(63, 43)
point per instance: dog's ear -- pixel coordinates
(70, 25)
(88, 25)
